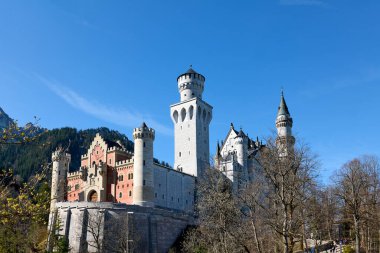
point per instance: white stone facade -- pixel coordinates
(191, 118)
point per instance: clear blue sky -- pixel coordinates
(114, 63)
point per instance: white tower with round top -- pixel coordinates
(191, 118)
(143, 184)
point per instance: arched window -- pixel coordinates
(120, 194)
(191, 112)
(175, 116)
(93, 196)
(183, 114)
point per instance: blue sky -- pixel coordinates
(93, 63)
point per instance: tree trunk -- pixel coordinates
(258, 245)
(357, 235)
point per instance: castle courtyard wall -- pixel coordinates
(154, 230)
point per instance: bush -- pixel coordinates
(348, 249)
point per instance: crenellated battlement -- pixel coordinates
(73, 174)
(143, 132)
(125, 162)
(59, 155)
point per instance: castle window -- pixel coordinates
(59, 172)
(120, 195)
(130, 193)
(121, 178)
(77, 187)
(179, 154)
(144, 144)
(143, 182)
(131, 175)
(69, 188)
(144, 162)
(110, 161)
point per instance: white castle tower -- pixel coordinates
(284, 124)
(241, 144)
(143, 184)
(60, 167)
(191, 118)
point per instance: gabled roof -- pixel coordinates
(232, 129)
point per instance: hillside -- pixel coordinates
(27, 158)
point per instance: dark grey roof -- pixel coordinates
(240, 134)
(191, 70)
(112, 143)
(143, 125)
(283, 108)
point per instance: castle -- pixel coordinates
(114, 182)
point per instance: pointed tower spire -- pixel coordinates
(283, 108)
(284, 124)
(217, 148)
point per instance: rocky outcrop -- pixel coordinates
(5, 120)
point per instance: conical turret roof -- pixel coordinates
(143, 125)
(283, 108)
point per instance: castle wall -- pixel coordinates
(150, 229)
(173, 189)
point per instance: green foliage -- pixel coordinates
(348, 249)
(26, 158)
(62, 246)
(24, 212)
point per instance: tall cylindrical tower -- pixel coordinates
(191, 118)
(241, 145)
(60, 167)
(60, 162)
(143, 185)
(284, 123)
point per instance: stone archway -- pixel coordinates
(93, 196)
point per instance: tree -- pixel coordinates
(24, 210)
(218, 217)
(24, 207)
(358, 188)
(289, 180)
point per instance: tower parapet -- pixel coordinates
(143, 184)
(190, 84)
